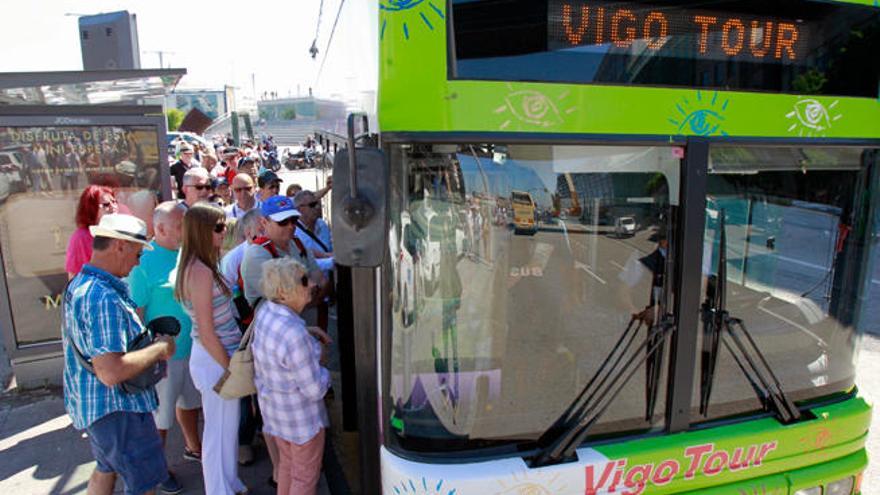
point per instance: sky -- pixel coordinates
(219, 43)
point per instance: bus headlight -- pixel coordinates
(816, 490)
(840, 487)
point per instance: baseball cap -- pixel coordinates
(267, 177)
(125, 227)
(278, 208)
(184, 147)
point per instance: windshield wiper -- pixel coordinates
(560, 441)
(719, 327)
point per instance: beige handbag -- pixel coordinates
(238, 379)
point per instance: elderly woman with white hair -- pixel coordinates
(291, 381)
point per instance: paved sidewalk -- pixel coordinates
(41, 452)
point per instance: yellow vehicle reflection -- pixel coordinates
(523, 213)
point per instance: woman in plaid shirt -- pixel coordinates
(290, 380)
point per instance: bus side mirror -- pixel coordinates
(360, 220)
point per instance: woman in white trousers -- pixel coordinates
(204, 294)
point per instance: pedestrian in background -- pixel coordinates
(180, 167)
(99, 326)
(152, 289)
(196, 186)
(94, 203)
(207, 299)
(291, 381)
(269, 184)
(243, 193)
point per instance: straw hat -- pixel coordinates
(124, 227)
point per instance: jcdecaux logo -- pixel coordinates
(702, 459)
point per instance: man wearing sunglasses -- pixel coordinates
(243, 197)
(309, 207)
(196, 186)
(279, 224)
(179, 168)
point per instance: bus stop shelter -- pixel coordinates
(61, 132)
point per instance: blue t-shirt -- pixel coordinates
(151, 284)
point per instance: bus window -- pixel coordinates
(795, 237)
(493, 333)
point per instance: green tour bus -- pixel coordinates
(709, 350)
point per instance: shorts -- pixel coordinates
(175, 390)
(128, 444)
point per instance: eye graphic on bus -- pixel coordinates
(702, 122)
(524, 483)
(422, 487)
(811, 117)
(702, 117)
(533, 108)
(420, 11)
(526, 489)
(399, 4)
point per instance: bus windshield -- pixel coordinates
(796, 244)
(517, 269)
(510, 286)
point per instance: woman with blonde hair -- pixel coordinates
(203, 291)
(291, 381)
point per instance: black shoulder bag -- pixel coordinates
(167, 325)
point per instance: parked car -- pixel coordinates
(11, 180)
(625, 226)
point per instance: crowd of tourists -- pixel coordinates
(160, 305)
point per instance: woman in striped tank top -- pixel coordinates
(204, 294)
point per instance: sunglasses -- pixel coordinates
(201, 187)
(286, 222)
(240, 189)
(220, 228)
(108, 204)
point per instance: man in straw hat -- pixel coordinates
(99, 324)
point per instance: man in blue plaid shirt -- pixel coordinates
(101, 322)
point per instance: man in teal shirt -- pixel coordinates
(152, 288)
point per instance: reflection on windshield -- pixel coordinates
(796, 246)
(516, 269)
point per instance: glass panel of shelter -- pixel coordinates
(43, 172)
(516, 269)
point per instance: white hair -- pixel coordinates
(195, 172)
(163, 211)
(281, 275)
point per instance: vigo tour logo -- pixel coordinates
(703, 459)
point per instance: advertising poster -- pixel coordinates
(43, 172)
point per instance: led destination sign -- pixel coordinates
(682, 30)
(788, 46)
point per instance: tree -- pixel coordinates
(288, 114)
(175, 118)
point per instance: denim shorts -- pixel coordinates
(128, 444)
